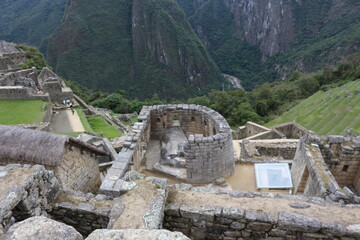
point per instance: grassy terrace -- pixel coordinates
(99, 125)
(328, 112)
(21, 112)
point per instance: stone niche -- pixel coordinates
(197, 137)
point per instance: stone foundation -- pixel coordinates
(32, 194)
(85, 212)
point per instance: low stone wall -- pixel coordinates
(215, 222)
(231, 223)
(21, 93)
(85, 212)
(30, 191)
(286, 152)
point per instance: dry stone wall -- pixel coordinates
(342, 155)
(79, 170)
(215, 222)
(21, 93)
(85, 212)
(32, 197)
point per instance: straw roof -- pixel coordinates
(31, 146)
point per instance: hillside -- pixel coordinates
(332, 112)
(265, 40)
(30, 22)
(141, 46)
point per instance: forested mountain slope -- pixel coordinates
(264, 40)
(142, 46)
(31, 22)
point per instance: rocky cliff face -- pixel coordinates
(143, 46)
(290, 34)
(266, 23)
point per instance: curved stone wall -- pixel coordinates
(208, 151)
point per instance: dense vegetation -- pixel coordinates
(260, 105)
(148, 46)
(30, 22)
(34, 57)
(141, 46)
(317, 33)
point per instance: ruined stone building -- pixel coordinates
(10, 56)
(192, 144)
(74, 163)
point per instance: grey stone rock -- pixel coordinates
(299, 205)
(259, 226)
(353, 230)
(297, 222)
(259, 216)
(173, 210)
(334, 228)
(336, 139)
(333, 187)
(200, 213)
(237, 226)
(3, 174)
(341, 195)
(349, 192)
(232, 213)
(136, 234)
(41, 228)
(159, 182)
(219, 181)
(182, 186)
(89, 207)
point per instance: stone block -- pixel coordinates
(297, 222)
(135, 234)
(259, 226)
(200, 213)
(42, 228)
(353, 230)
(232, 213)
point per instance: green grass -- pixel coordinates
(84, 120)
(99, 125)
(14, 112)
(327, 112)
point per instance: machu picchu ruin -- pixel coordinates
(179, 120)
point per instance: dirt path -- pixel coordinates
(66, 121)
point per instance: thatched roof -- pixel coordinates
(31, 146)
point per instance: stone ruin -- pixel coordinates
(10, 56)
(324, 203)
